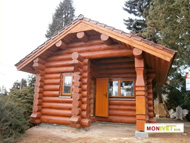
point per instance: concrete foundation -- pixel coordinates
(139, 134)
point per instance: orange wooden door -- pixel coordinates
(101, 97)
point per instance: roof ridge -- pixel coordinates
(82, 17)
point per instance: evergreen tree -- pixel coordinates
(63, 15)
(138, 9)
(168, 22)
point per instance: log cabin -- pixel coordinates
(89, 72)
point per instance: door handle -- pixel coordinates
(106, 95)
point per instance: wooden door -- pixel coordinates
(102, 97)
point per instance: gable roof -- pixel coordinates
(85, 24)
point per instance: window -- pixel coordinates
(66, 88)
(121, 88)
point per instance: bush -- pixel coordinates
(24, 98)
(12, 120)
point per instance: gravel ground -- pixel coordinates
(101, 132)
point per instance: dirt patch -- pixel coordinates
(100, 132)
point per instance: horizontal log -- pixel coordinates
(38, 102)
(50, 93)
(151, 114)
(122, 113)
(35, 121)
(81, 44)
(85, 93)
(77, 76)
(57, 100)
(84, 107)
(39, 78)
(150, 97)
(76, 96)
(118, 119)
(84, 87)
(51, 87)
(77, 64)
(55, 120)
(59, 58)
(59, 69)
(60, 44)
(61, 63)
(52, 81)
(85, 114)
(84, 100)
(75, 111)
(107, 53)
(106, 39)
(54, 112)
(38, 95)
(39, 60)
(92, 48)
(77, 56)
(86, 68)
(86, 75)
(36, 108)
(119, 102)
(137, 53)
(116, 65)
(76, 103)
(35, 115)
(52, 76)
(77, 90)
(82, 36)
(115, 60)
(57, 105)
(39, 84)
(127, 75)
(85, 61)
(121, 107)
(38, 90)
(150, 103)
(85, 122)
(38, 66)
(107, 71)
(150, 108)
(75, 119)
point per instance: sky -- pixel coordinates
(23, 25)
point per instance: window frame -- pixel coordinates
(119, 87)
(63, 75)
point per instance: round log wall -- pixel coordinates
(99, 59)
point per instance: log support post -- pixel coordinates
(141, 93)
(86, 91)
(38, 65)
(77, 88)
(150, 77)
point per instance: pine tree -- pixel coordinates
(137, 8)
(168, 21)
(63, 15)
